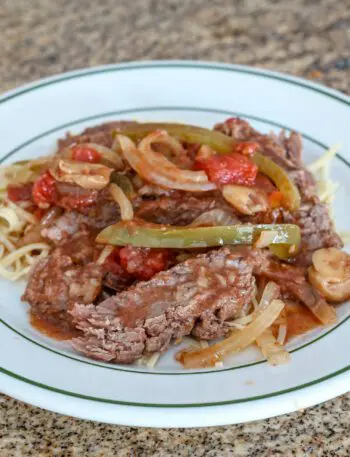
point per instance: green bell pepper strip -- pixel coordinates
(279, 176)
(222, 144)
(162, 236)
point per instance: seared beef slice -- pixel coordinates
(196, 297)
(64, 277)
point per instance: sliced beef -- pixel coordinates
(66, 276)
(292, 279)
(181, 209)
(71, 222)
(101, 134)
(117, 282)
(317, 228)
(63, 226)
(195, 296)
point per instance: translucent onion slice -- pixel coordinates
(245, 199)
(271, 349)
(155, 168)
(92, 176)
(108, 156)
(271, 292)
(215, 217)
(126, 209)
(238, 340)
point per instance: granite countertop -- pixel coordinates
(310, 38)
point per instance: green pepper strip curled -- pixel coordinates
(222, 144)
(163, 236)
(268, 167)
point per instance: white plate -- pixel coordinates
(49, 374)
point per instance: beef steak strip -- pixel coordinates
(317, 228)
(62, 278)
(194, 297)
(292, 279)
(101, 134)
(181, 209)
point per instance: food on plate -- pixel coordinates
(136, 236)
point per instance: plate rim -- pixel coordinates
(343, 98)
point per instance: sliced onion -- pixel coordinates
(106, 251)
(126, 209)
(215, 217)
(282, 334)
(157, 159)
(155, 168)
(238, 340)
(87, 175)
(245, 199)
(110, 156)
(271, 349)
(271, 292)
(265, 239)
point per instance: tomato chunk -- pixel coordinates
(228, 169)
(44, 190)
(143, 263)
(19, 193)
(84, 154)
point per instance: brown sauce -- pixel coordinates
(299, 320)
(50, 329)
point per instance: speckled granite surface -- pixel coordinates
(310, 38)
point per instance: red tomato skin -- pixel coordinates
(228, 169)
(22, 192)
(44, 190)
(143, 263)
(84, 154)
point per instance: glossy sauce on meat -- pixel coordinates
(57, 330)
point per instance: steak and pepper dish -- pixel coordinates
(136, 236)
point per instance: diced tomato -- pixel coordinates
(276, 199)
(84, 154)
(228, 169)
(19, 193)
(264, 183)
(44, 190)
(143, 263)
(247, 148)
